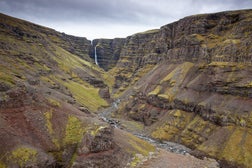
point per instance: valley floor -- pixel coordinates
(164, 159)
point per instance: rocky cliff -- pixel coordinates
(108, 51)
(190, 82)
(220, 37)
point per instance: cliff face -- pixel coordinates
(108, 51)
(220, 37)
(190, 82)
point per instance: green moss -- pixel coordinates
(2, 165)
(177, 76)
(232, 41)
(74, 131)
(86, 95)
(156, 91)
(149, 31)
(140, 146)
(177, 113)
(54, 102)
(238, 148)
(23, 155)
(249, 84)
(168, 97)
(73, 159)
(67, 61)
(48, 79)
(198, 37)
(109, 79)
(7, 79)
(164, 132)
(48, 117)
(191, 130)
(96, 131)
(132, 125)
(136, 160)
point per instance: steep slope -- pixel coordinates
(190, 82)
(49, 92)
(220, 37)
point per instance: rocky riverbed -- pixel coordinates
(168, 155)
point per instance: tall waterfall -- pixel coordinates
(96, 61)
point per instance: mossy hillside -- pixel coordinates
(177, 76)
(168, 87)
(7, 78)
(126, 77)
(132, 126)
(54, 102)
(46, 58)
(236, 146)
(23, 155)
(49, 125)
(172, 124)
(86, 95)
(137, 148)
(68, 62)
(140, 146)
(74, 131)
(109, 80)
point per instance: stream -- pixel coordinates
(169, 146)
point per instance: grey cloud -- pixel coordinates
(126, 11)
(145, 13)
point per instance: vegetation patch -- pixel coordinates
(23, 155)
(2, 165)
(48, 117)
(149, 31)
(74, 131)
(140, 146)
(54, 102)
(155, 91)
(136, 160)
(86, 95)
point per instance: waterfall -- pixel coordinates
(96, 61)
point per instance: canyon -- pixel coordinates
(189, 82)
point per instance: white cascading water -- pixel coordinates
(96, 61)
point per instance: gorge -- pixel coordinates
(189, 82)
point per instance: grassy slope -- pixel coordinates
(30, 51)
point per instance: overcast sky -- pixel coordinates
(112, 18)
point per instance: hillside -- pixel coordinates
(50, 90)
(189, 82)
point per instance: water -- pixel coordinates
(96, 61)
(169, 146)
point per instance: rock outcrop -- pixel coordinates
(219, 37)
(108, 51)
(197, 90)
